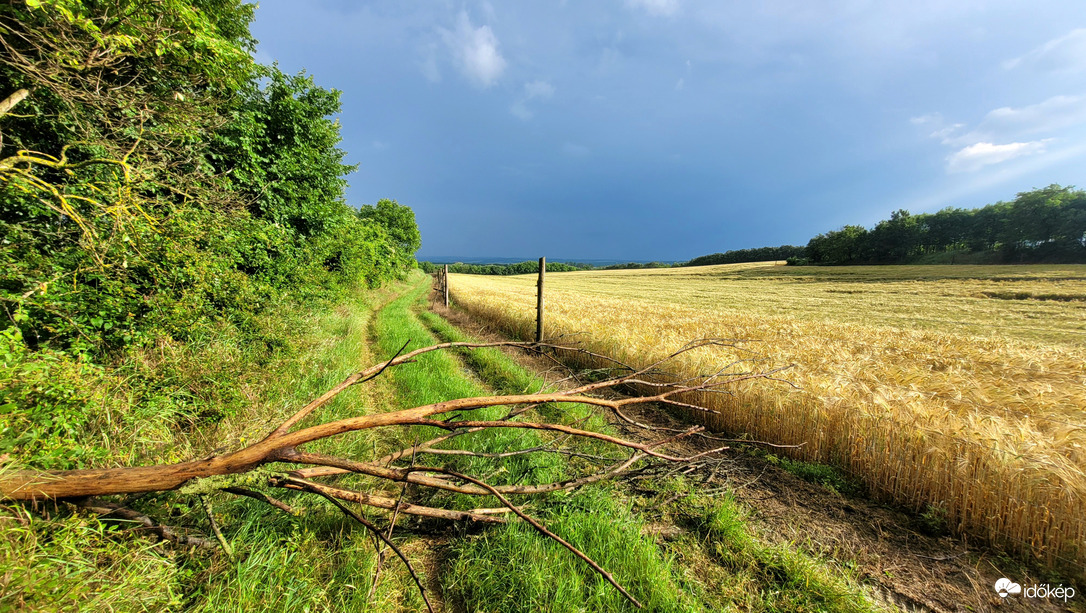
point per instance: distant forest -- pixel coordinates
(1041, 226)
(760, 254)
(1045, 225)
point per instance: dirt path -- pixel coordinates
(888, 548)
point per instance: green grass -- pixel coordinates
(317, 563)
(437, 376)
(514, 569)
(78, 563)
(320, 561)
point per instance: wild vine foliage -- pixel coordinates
(157, 185)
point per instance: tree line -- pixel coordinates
(519, 268)
(1045, 225)
(759, 254)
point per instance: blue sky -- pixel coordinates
(668, 129)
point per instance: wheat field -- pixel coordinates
(954, 390)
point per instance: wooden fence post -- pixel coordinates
(539, 301)
(445, 284)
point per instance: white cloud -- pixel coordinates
(939, 127)
(658, 8)
(538, 89)
(977, 156)
(926, 119)
(521, 110)
(380, 145)
(944, 133)
(681, 83)
(532, 90)
(1053, 114)
(574, 150)
(475, 51)
(1007, 133)
(1066, 53)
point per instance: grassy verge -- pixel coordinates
(317, 561)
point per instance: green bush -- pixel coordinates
(46, 401)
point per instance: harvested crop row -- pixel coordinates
(987, 429)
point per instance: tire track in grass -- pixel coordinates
(512, 568)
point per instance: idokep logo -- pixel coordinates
(1005, 587)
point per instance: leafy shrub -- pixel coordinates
(46, 401)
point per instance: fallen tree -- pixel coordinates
(279, 460)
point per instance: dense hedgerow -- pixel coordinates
(160, 188)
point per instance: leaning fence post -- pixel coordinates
(539, 301)
(445, 284)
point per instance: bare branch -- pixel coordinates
(412, 476)
(215, 526)
(391, 528)
(284, 445)
(382, 502)
(10, 102)
(644, 447)
(261, 496)
(112, 511)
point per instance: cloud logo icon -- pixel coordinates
(1004, 587)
